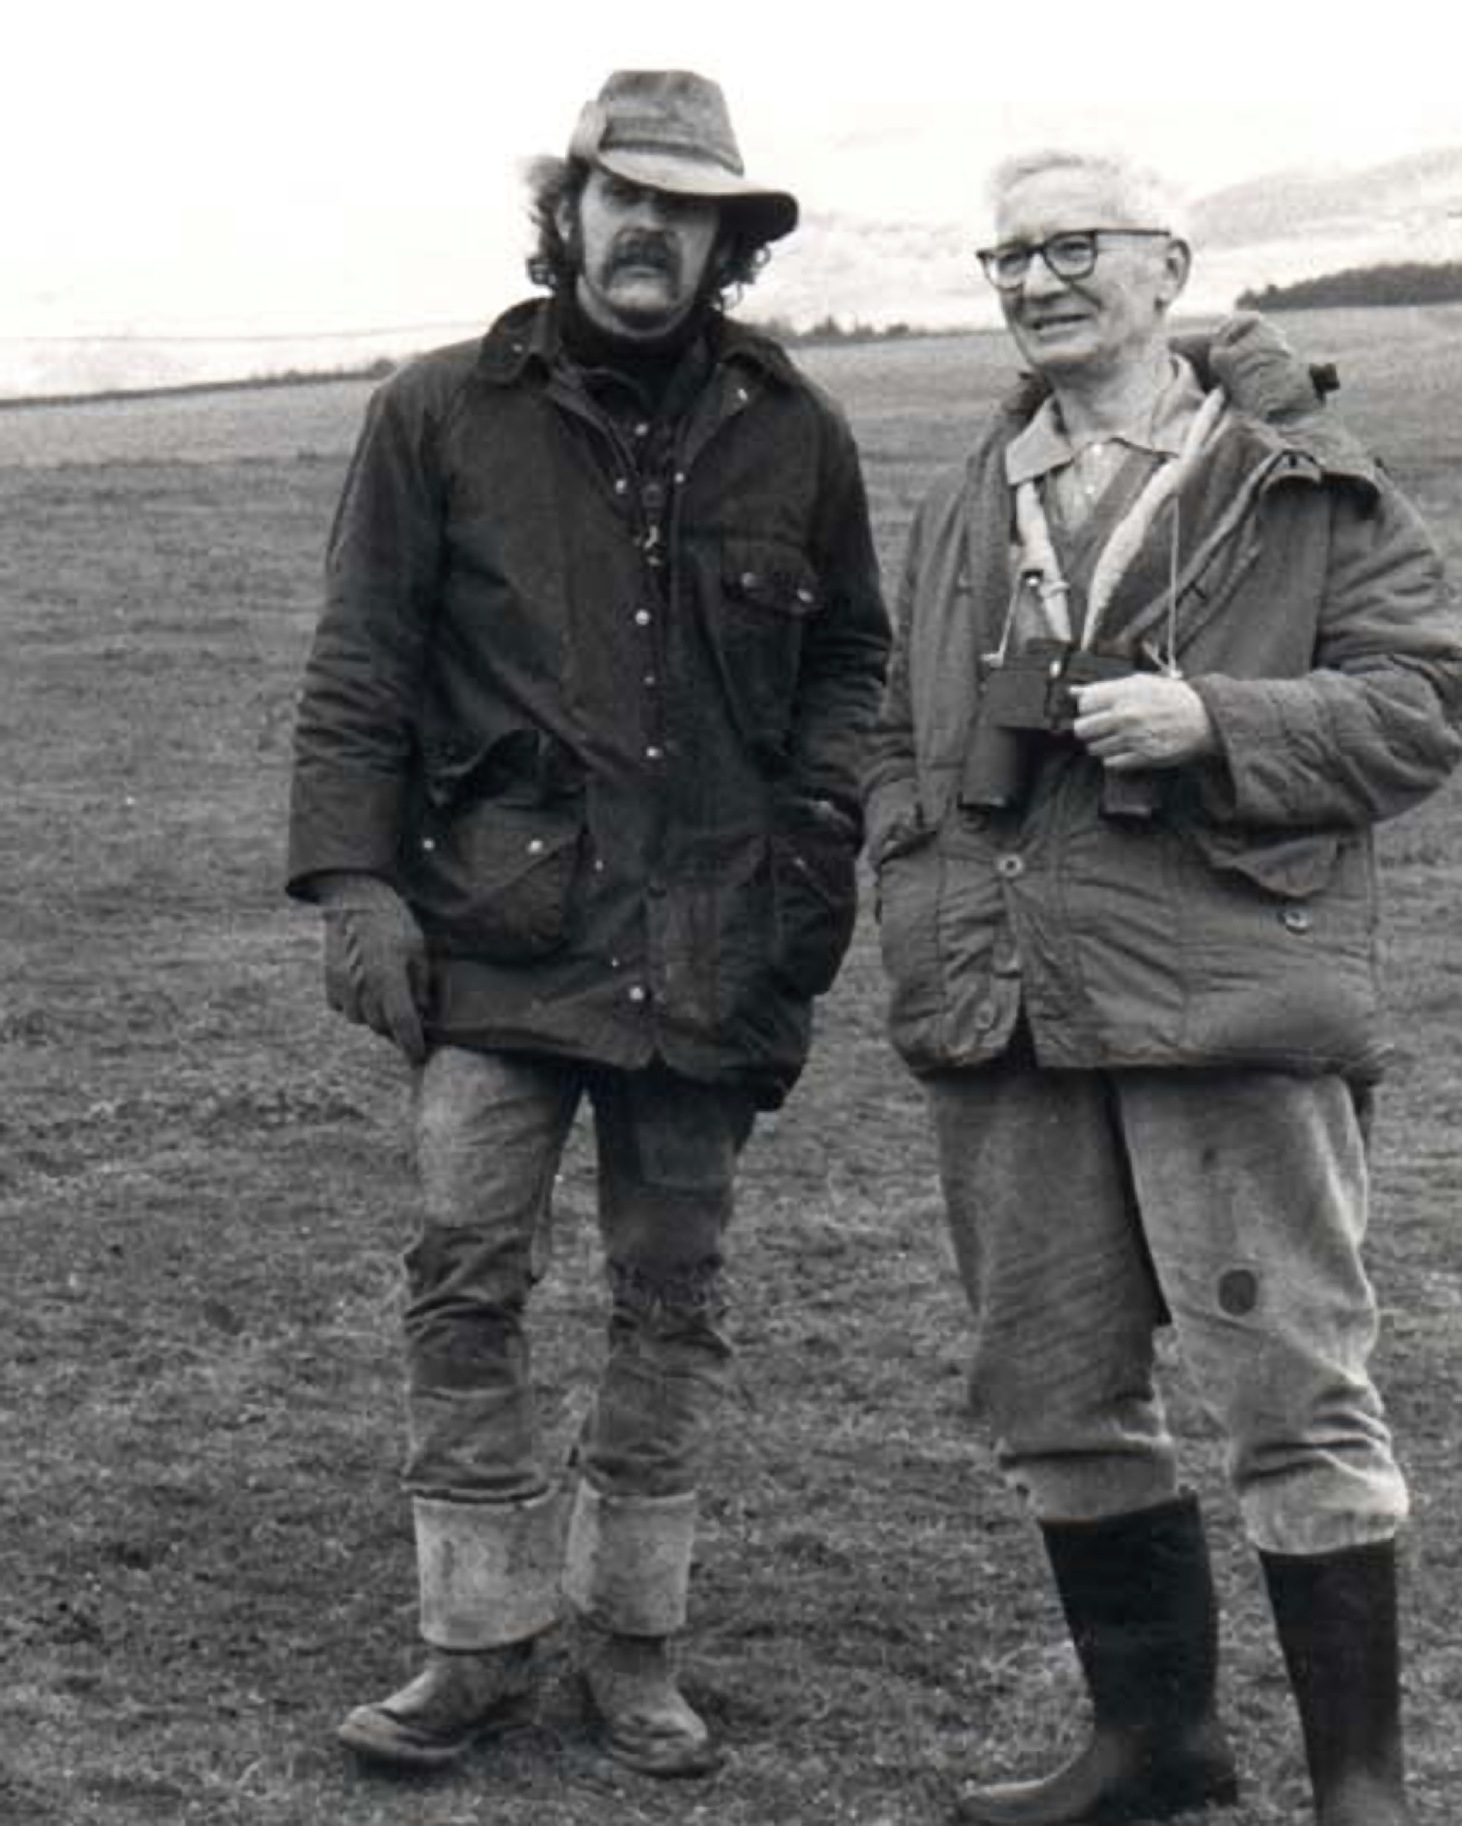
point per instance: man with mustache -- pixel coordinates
(577, 789)
(1170, 645)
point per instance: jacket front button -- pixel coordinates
(642, 618)
(652, 753)
(535, 846)
(428, 844)
(1010, 866)
(637, 992)
(1295, 919)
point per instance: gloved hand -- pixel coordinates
(375, 958)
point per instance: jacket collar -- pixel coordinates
(522, 336)
(527, 335)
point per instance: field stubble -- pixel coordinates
(204, 1190)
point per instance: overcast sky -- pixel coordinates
(216, 167)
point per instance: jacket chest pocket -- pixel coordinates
(769, 595)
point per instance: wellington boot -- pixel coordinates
(459, 1696)
(1139, 1601)
(1336, 1614)
(648, 1723)
(1118, 1776)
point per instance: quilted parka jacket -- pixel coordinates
(1236, 924)
(602, 728)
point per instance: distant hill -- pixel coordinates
(1287, 227)
(1408, 283)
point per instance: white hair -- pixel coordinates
(1138, 197)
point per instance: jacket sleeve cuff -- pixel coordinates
(348, 826)
(1244, 723)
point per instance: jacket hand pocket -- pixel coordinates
(1280, 958)
(495, 880)
(814, 901)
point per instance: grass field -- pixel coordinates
(203, 1193)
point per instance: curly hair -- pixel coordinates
(555, 181)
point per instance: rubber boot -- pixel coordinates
(1336, 1614)
(488, 1576)
(627, 1576)
(1139, 1601)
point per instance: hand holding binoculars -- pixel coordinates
(1026, 700)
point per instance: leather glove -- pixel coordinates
(376, 970)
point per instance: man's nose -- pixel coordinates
(1040, 281)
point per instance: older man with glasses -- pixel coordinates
(1170, 645)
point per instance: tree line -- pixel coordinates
(1411, 282)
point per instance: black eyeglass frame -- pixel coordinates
(1084, 267)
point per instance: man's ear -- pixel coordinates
(1177, 264)
(565, 212)
(723, 249)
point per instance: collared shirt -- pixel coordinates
(1081, 468)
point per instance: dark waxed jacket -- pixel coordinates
(1235, 926)
(595, 746)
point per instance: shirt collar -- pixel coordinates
(1044, 443)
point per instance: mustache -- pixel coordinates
(643, 247)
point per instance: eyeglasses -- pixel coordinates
(1072, 254)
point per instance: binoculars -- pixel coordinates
(1025, 701)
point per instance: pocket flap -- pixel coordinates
(520, 766)
(776, 577)
(1293, 865)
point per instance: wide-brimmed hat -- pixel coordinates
(670, 130)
